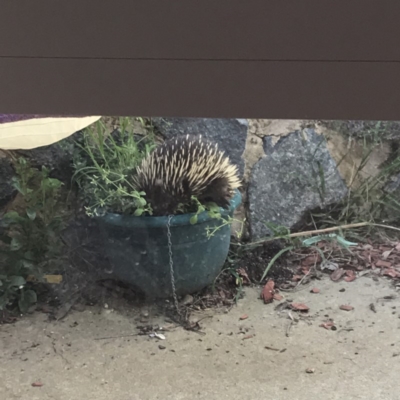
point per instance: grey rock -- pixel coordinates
(295, 176)
(7, 191)
(230, 134)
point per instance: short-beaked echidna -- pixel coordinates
(185, 166)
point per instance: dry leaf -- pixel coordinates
(327, 325)
(299, 307)
(31, 278)
(312, 259)
(278, 297)
(345, 307)
(248, 337)
(337, 275)
(243, 274)
(385, 264)
(243, 317)
(350, 276)
(305, 270)
(391, 272)
(268, 292)
(57, 279)
(37, 384)
(398, 246)
(160, 336)
(296, 278)
(386, 254)
(315, 290)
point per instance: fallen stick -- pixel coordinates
(325, 230)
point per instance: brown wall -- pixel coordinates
(211, 58)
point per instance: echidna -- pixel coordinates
(185, 166)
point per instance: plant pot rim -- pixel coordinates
(131, 221)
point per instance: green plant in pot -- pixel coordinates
(165, 211)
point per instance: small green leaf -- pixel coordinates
(16, 281)
(193, 220)
(142, 201)
(15, 244)
(31, 214)
(344, 242)
(17, 186)
(138, 212)
(313, 240)
(28, 298)
(54, 183)
(12, 217)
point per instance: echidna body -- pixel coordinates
(186, 166)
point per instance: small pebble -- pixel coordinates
(310, 370)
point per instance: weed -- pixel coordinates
(369, 201)
(104, 162)
(372, 131)
(31, 234)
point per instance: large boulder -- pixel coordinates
(230, 134)
(296, 175)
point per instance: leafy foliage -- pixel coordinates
(104, 163)
(30, 237)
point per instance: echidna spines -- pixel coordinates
(186, 166)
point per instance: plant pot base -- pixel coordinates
(138, 251)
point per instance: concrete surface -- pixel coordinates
(360, 360)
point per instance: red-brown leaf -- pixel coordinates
(299, 307)
(296, 278)
(243, 317)
(248, 337)
(350, 276)
(37, 384)
(312, 259)
(391, 272)
(305, 270)
(315, 290)
(327, 325)
(243, 274)
(278, 297)
(384, 264)
(337, 275)
(346, 307)
(268, 292)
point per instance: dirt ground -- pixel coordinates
(266, 355)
